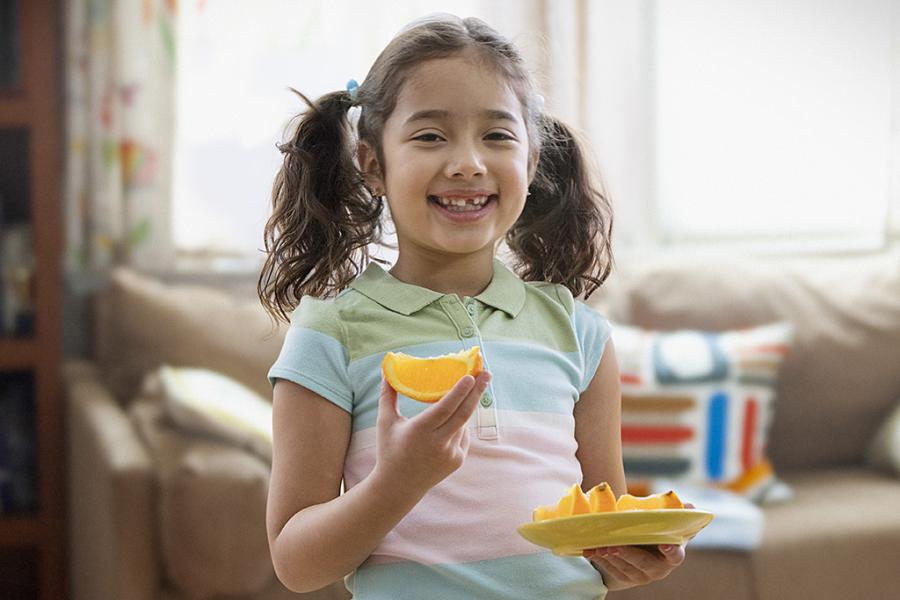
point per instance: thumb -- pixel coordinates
(388, 411)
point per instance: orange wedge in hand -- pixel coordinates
(429, 379)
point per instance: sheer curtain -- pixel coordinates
(120, 64)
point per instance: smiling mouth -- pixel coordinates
(468, 204)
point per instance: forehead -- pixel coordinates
(460, 86)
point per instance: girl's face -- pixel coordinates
(457, 159)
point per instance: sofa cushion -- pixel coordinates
(726, 575)
(841, 378)
(840, 539)
(212, 504)
(210, 403)
(142, 323)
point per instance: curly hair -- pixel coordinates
(324, 217)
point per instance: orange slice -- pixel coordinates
(653, 502)
(573, 503)
(429, 379)
(542, 513)
(601, 498)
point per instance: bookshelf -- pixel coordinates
(32, 507)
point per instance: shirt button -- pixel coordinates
(486, 400)
(468, 331)
(470, 308)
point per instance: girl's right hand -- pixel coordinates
(415, 454)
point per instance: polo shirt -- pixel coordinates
(542, 348)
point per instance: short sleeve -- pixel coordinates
(314, 353)
(592, 330)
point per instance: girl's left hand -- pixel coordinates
(628, 566)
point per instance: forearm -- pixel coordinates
(323, 543)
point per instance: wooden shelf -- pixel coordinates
(17, 353)
(14, 112)
(20, 530)
(32, 544)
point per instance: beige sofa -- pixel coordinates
(158, 512)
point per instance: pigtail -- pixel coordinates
(323, 217)
(564, 234)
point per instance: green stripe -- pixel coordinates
(373, 330)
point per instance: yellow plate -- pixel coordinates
(568, 536)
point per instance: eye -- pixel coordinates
(499, 136)
(428, 137)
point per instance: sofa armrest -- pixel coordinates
(111, 495)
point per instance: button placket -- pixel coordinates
(462, 314)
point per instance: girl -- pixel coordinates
(451, 136)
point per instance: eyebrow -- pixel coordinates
(436, 114)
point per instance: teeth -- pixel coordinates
(472, 203)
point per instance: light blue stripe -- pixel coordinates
(517, 368)
(322, 370)
(541, 575)
(593, 331)
(717, 427)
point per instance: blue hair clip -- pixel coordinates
(352, 88)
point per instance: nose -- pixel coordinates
(464, 161)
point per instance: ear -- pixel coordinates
(533, 157)
(368, 164)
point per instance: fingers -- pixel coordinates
(454, 409)
(637, 565)
(673, 553)
(388, 411)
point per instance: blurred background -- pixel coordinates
(137, 155)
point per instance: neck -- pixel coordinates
(464, 276)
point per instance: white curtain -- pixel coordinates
(119, 114)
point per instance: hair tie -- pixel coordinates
(539, 103)
(352, 89)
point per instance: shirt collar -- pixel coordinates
(505, 292)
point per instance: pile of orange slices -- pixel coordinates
(600, 499)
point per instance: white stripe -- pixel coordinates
(510, 418)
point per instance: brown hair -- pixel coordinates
(324, 217)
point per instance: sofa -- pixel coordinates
(160, 511)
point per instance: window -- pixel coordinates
(773, 122)
(746, 126)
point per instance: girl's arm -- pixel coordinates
(598, 431)
(316, 535)
(598, 426)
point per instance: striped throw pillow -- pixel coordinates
(696, 406)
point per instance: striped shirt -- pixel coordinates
(542, 348)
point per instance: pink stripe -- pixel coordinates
(473, 514)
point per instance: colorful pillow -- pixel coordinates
(884, 450)
(211, 403)
(696, 406)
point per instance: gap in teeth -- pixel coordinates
(461, 202)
